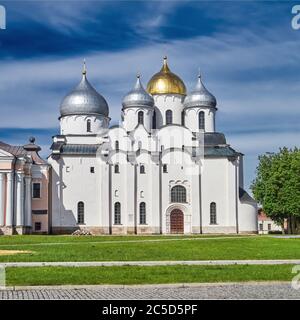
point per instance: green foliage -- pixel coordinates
(277, 184)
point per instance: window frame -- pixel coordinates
(178, 194)
(142, 215)
(213, 213)
(40, 190)
(141, 117)
(169, 117)
(201, 120)
(88, 125)
(117, 215)
(80, 215)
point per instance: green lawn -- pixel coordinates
(146, 275)
(109, 248)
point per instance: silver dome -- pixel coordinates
(84, 99)
(200, 96)
(138, 96)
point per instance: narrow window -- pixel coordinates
(178, 194)
(80, 212)
(169, 117)
(92, 169)
(213, 213)
(154, 120)
(261, 228)
(88, 126)
(269, 227)
(182, 118)
(201, 120)
(140, 117)
(117, 145)
(165, 168)
(142, 213)
(36, 190)
(117, 168)
(142, 169)
(117, 213)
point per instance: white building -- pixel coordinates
(163, 170)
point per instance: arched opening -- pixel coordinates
(117, 168)
(80, 212)
(88, 126)
(142, 169)
(117, 212)
(142, 213)
(201, 120)
(178, 194)
(169, 117)
(140, 117)
(117, 145)
(177, 221)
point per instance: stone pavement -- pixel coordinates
(258, 290)
(147, 263)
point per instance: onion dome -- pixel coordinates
(84, 99)
(138, 96)
(200, 97)
(166, 82)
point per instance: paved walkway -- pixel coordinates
(148, 263)
(258, 290)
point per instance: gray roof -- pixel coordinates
(80, 149)
(85, 100)
(138, 97)
(214, 138)
(217, 151)
(200, 97)
(244, 196)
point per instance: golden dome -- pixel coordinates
(165, 82)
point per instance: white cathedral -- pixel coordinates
(163, 170)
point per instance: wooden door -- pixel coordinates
(177, 221)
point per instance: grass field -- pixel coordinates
(135, 248)
(130, 248)
(146, 275)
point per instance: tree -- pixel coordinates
(277, 187)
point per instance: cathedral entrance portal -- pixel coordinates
(177, 221)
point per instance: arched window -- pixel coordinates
(201, 120)
(117, 213)
(142, 213)
(88, 126)
(117, 145)
(142, 168)
(154, 120)
(178, 194)
(140, 145)
(141, 117)
(117, 168)
(80, 212)
(182, 118)
(213, 213)
(169, 117)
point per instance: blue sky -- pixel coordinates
(247, 52)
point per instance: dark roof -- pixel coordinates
(80, 149)
(244, 196)
(220, 152)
